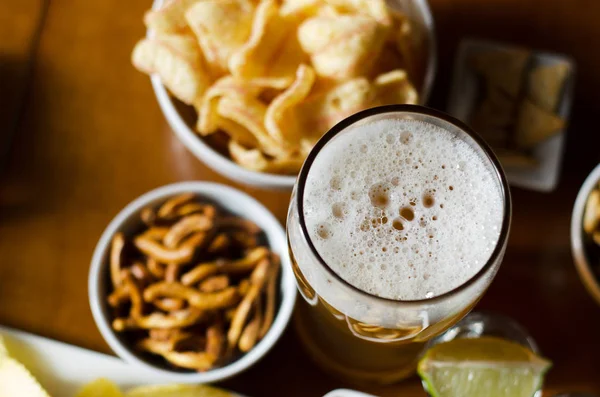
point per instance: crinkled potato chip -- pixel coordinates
(208, 116)
(272, 54)
(535, 125)
(394, 87)
(502, 68)
(222, 27)
(237, 132)
(250, 113)
(170, 17)
(327, 107)
(376, 9)
(280, 120)
(100, 388)
(545, 85)
(178, 62)
(342, 47)
(177, 391)
(15, 380)
(255, 160)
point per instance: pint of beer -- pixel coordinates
(397, 225)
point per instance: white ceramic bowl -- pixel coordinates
(417, 10)
(237, 203)
(577, 238)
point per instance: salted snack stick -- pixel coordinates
(116, 250)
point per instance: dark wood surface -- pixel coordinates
(89, 137)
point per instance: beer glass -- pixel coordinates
(361, 337)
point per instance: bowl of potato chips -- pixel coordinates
(249, 86)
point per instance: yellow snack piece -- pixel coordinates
(342, 47)
(170, 17)
(178, 62)
(376, 9)
(271, 55)
(281, 120)
(545, 85)
(221, 27)
(535, 125)
(394, 87)
(100, 388)
(15, 380)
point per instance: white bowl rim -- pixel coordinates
(578, 250)
(222, 164)
(274, 231)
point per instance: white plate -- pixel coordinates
(62, 368)
(463, 98)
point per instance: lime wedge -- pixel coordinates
(100, 388)
(177, 391)
(486, 366)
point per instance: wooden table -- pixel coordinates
(89, 137)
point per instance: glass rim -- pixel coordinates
(423, 111)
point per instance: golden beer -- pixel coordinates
(348, 324)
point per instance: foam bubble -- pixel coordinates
(429, 221)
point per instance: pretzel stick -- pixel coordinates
(118, 297)
(116, 250)
(178, 319)
(214, 283)
(185, 227)
(199, 361)
(148, 216)
(239, 223)
(199, 300)
(180, 255)
(219, 243)
(215, 339)
(244, 239)
(170, 205)
(137, 303)
(157, 270)
(241, 314)
(155, 233)
(245, 264)
(192, 208)
(162, 334)
(271, 291)
(250, 333)
(172, 273)
(141, 273)
(199, 273)
(169, 304)
(244, 287)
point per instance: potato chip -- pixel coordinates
(535, 125)
(502, 68)
(178, 62)
(170, 17)
(342, 47)
(250, 113)
(326, 107)
(208, 116)
(545, 85)
(255, 160)
(376, 9)
(394, 87)
(15, 380)
(100, 388)
(272, 53)
(402, 36)
(177, 391)
(237, 132)
(222, 27)
(280, 120)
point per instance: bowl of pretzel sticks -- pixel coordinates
(192, 280)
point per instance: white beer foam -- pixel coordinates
(402, 209)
